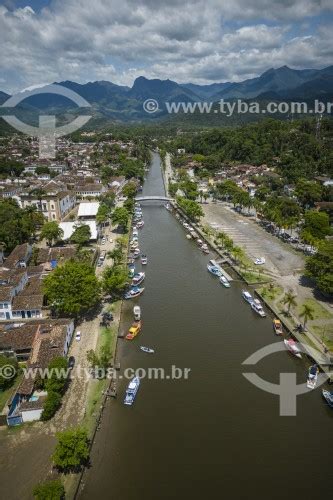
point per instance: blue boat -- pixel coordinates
(131, 391)
(214, 270)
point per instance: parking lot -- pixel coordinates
(281, 258)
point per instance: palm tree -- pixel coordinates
(307, 313)
(221, 237)
(205, 195)
(289, 299)
(237, 253)
(117, 255)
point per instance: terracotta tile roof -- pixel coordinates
(20, 253)
(27, 302)
(33, 405)
(18, 338)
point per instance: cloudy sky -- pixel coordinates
(200, 41)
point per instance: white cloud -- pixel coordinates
(186, 41)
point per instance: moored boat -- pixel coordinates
(277, 326)
(140, 224)
(312, 377)
(147, 349)
(257, 307)
(131, 391)
(138, 278)
(134, 330)
(247, 296)
(136, 253)
(134, 292)
(137, 313)
(291, 345)
(328, 396)
(224, 281)
(131, 270)
(205, 248)
(214, 270)
(144, 259)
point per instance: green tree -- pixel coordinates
(120, 216)
(129, 190)
(81, 235)
(72, 288)
(49, 490)
(7, 374)
(290, 300)
(320, 267)
(103, 213)
(316, 224)
(52, 232)
(51, 405)
(58, 375)
(115, 280)
(72, 450)
(191, 208)
(307, 313)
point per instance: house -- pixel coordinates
(37, 343)
(89, 190)
(20, 297)
(54, 206)
(19, 257)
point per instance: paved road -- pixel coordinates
(281, 259)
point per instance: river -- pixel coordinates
(214, 434)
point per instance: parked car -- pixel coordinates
(78, 335)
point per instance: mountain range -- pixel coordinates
(115, 102)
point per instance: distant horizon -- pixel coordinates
(32, 87)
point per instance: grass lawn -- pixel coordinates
(319, 311)
(271, 293)
(5, 395)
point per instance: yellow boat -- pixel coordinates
(134, 330)
(277, 326)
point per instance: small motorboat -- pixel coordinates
(214, 270)
(224, 281)
(312, 377)
(130, 260)
(188, 236)
(247, 296)
(140, 224)
(257, 307)
(205, 248)
(328, 396)
(146, 349)
(167, 206)
(133, 293)
(199, 242)
(138, 278)
(277, 325)
(135, 231)
(137, 204)
(137, 313)
(134, 330)
(292, 346)
(260, 261)
(131, 271)
(144, 259)
(131, 391)
(136, 253)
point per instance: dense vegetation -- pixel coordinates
(17, 225)
(72, 450)
(290, 147)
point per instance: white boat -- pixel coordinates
(140, 224)
(131, 391)
(224, 281)
(138, 278)
(312, 377)
(146, 349)
(135, 231)
(133, 293)
(291, 345)
(257, 307)
(214, 270)
(137, 313)
(136, 253)
(328, 397)
(188, 236)
(247, 296)
(144, 260)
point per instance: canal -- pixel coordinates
(214, 434)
